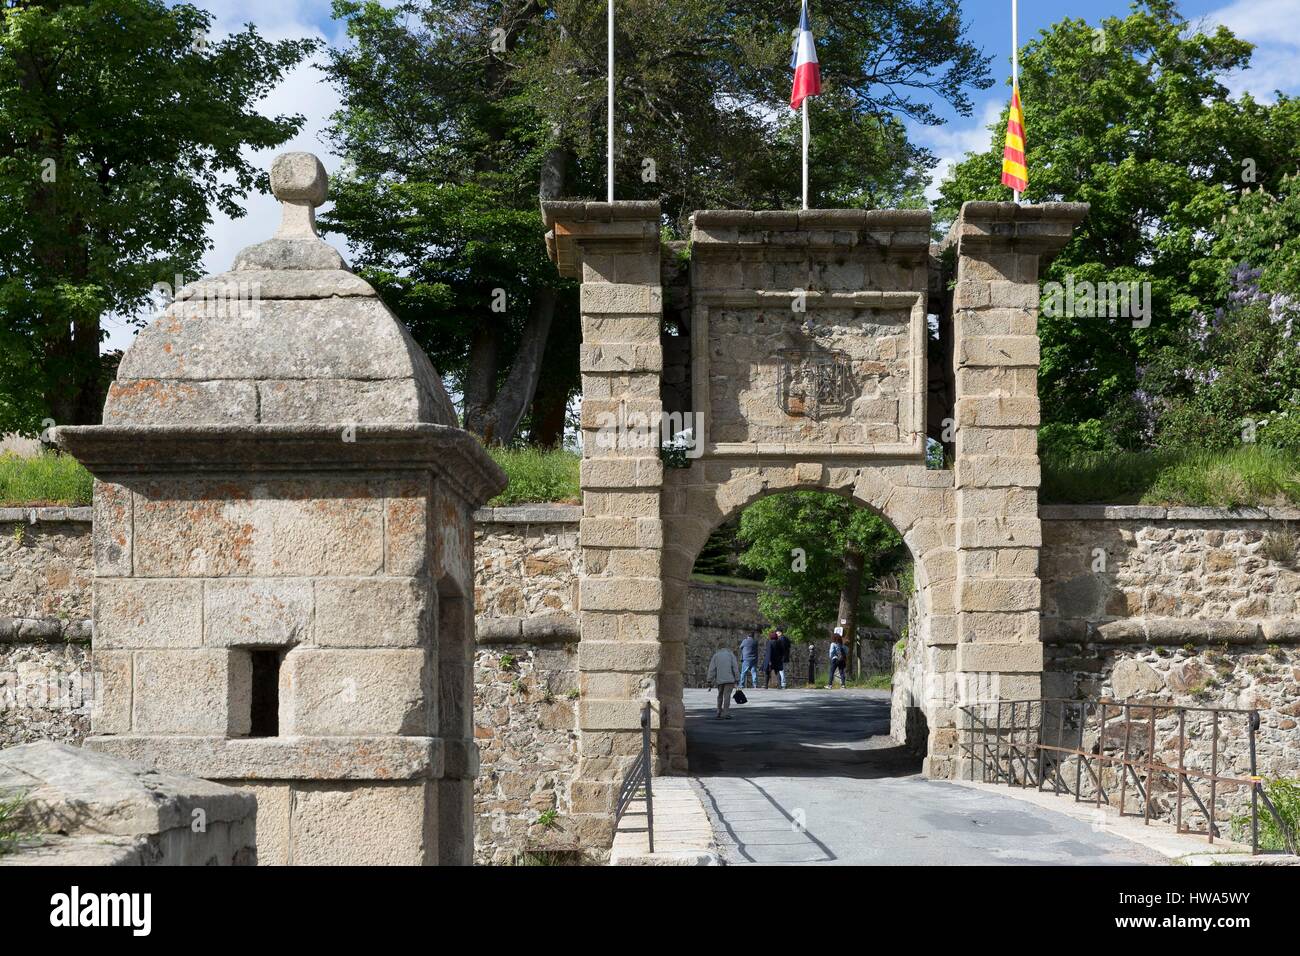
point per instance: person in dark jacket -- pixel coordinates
(776, 658)
(839, 658)
(749, 660)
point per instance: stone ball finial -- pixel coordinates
(299, 178)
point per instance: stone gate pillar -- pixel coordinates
(284, 555)
(1000, 250)
(614, 249)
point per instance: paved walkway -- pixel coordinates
(683, 832)
(811, 776)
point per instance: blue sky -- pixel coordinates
(1274, 25)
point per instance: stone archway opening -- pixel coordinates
(808, 365)
(805, 561)
(915, 501)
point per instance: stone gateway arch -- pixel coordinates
(283, 521)
(821, 347)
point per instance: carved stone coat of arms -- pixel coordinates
(815, 383)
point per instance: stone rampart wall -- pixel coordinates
(1188, 606)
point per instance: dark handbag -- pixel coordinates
(739, 697)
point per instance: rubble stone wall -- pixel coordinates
(47, 675)
(1189, 609)
(1187, 606)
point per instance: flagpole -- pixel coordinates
(1015, 62)
(609, 169)
(805, 152)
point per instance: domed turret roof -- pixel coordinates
(288, 336)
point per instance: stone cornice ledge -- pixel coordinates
(47, 514)
(120, 450)
(895, 230)
(568, 224)
(558, 627)
(1036, 229)
(542, 512)
(46, 630)
(590, 210)
(1171, 631)
(1162, 513)
(282, 758)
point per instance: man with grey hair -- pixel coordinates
(724, 672)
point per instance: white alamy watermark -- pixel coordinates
(673, 433)
(228, 298)
(75, 908)
(962, 689)
(1098, 300)
(49, 690)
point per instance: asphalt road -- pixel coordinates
(811, 776)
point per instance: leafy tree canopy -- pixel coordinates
(458, 115)
(798, 541)
(120, 124)
(1236, 377)
(1135, 119)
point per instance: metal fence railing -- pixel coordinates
(1194, 766)
(637, 780)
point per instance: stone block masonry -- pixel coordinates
(85, 809)
(779, 300)
(614, 249)
(830, 398)
(284, 556)
(808, 367)
(1000, 251)
(525, 714)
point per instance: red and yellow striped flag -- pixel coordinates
(1015, 175)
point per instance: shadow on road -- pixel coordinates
(796, 733)
(763, 825)
(802, 777)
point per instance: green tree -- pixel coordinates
(459, 115)
(818, 553)
(1135, 120)
(1237, 377)
(119, 126)
(1262, 230)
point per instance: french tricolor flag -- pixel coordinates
(807, 75)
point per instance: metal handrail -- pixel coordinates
(1014, 750)
(638, 778)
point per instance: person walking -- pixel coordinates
(812, 663)
(724, 672)
(775, 660)
(787, 651)
(839, 657)
(749, 660)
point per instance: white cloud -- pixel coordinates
(953, 142)
(1274, 27)
(303, 91)
(1261, 21)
